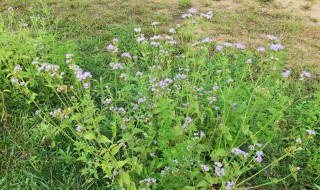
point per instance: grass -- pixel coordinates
(86, 27)
(235, 21)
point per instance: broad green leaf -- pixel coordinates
(89, 136)
(115, 149)
(124, 178)
(103, 139)
(217, 154)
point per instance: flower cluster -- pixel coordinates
(276, 47)
(116, 66)
(204, 168)
(304, 74)
(186, 123)
(238, 151)
(148, 180)
(218, 169)
(259, 156)
(229, 185)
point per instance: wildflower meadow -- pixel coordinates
(165, 109)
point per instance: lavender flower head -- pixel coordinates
(126, 54)
(249, 61)
(272, 37)
(305, 74)
(240, 46)
(261, 49)
(229, 185)
(138, 30)
(219, 47)
(192, 10)
(276, 47)
(286, 73)
(204, 168)
(155, 23)
(310, 132)
(79, 128)
(238, 151)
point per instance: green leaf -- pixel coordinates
(124, 178)
(188, 188)
(122, 163)
(217, 154)
(202, 183)
(115, 149)
(89, 136)
(245, 129)
(103, 139)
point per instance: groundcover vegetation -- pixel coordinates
(179, 111)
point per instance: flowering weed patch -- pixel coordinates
(177, 112)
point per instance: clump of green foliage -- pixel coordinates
(175, 111)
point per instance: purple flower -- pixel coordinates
(259, 153)
(204, 168)
(172, 30)
(230, 80)
(141, 38)
(110, 47)
(251, 147)
(206, 40)
(126, 54)
(17, 69)
(227, 44)
(286, 73)
(116, 66)
(238, 151)
(229, 185)
(311, 132)
(175, 161)
(14, 80)
(79, 128)
(107, 101)
(186, 15)
(259, 159)
(138, 73)
(259, 144)
(305, 74)
(207, 15)
(192, 10)
(218, 169)
(276, 47)
(37, 112)
(137, 29)
(298, 140)
(155, 23)
(86, 85)
(249, 61)
(240, 46)
(219, 47)
(261, 49)
(272, 37)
